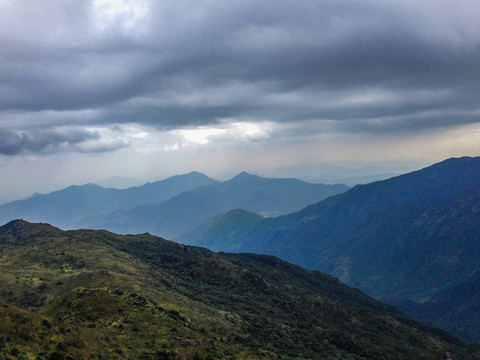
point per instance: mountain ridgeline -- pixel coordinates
(169, 207)
(65, 207)
(188, 210)
(89, 294)
(412, 240)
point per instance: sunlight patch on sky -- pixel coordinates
(250, 131)
(228, 131)
(128, 15)
(201, 135)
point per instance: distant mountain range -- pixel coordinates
(95, 295)
(119, 182)
(65, 207)
(169, 207)
(331, 174)
(350, 173)
(183, 212)
(412, 240)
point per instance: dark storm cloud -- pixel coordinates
(371, 66)
(13, 142)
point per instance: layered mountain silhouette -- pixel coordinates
(92, 294)
(189, 209)
(169, 207)
(65, 207)
(412, 240)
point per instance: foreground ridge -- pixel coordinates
(94, 294)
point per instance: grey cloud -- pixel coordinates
(10, 142)
(57, 58)
(103, 145)
(14, 141)
(411, 123)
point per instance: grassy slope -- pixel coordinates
(177, 302)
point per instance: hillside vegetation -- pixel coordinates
(96, 295)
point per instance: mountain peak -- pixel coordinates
(196, 173)
(242, 212)
(15, 224)
(20, 228)
(86, 186)
(245, 176)
(193, 176)
(244, 173)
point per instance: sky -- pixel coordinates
(147, 89)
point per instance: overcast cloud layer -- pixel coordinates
(102, 76)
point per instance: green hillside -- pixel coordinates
(96, 295)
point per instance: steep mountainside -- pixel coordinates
(414, 237)
(65, 207)
(186, 211)
(93, 294)
(222, 231)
